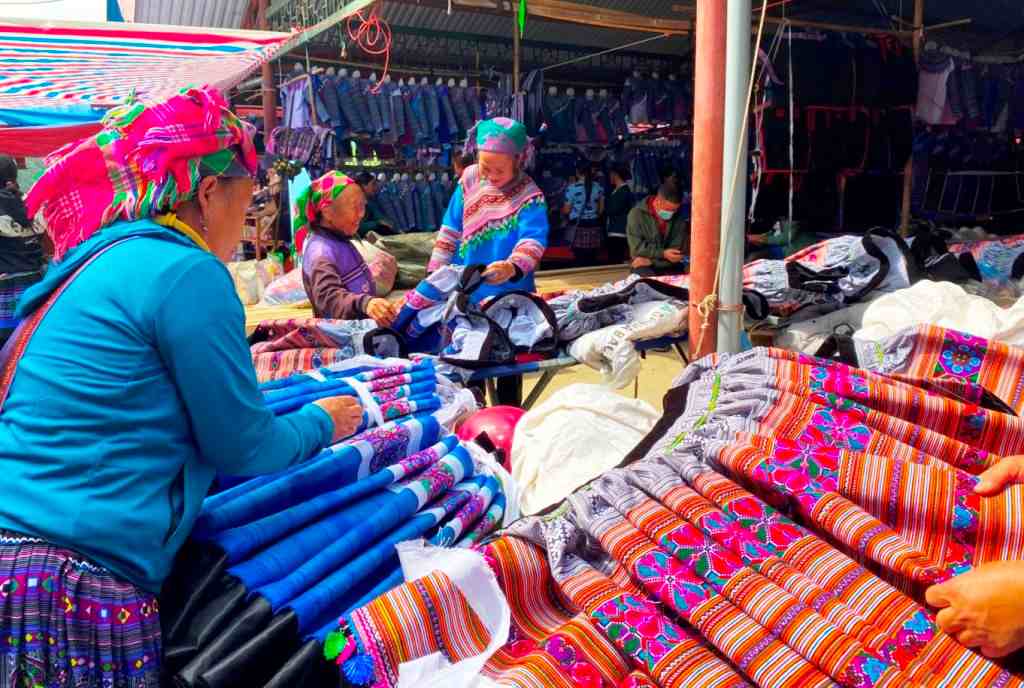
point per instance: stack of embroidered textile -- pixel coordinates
(387, 393)
(275, 560)
(284, 347)
(603, 325)
(777, 528)
(829, 275)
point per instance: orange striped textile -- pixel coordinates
(415, 620)
(929, 351)
(277, 365)
(777, 529)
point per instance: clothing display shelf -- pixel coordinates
(973, 195)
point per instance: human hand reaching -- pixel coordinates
(673, 255)
(499, 272)
(1009, 471)
(382, 311)
(983, 608)
(345, 412)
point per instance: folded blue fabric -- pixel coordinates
(335, 467)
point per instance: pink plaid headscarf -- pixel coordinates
(145, 161)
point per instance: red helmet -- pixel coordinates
(497, 424)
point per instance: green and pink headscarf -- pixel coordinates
(146, 160)
(501, 135)
(312, 201)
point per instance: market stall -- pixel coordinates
(820, 499)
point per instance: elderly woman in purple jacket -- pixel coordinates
(336, 278)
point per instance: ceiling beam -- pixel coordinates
(564, 11)
(589, 15)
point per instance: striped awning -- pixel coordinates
(51, 70)
(103, 65)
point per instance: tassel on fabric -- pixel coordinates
(358, 670)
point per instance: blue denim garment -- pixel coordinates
(447, 111)
(379, 107)
(432, 108)
(463, 110)
(428, 212)
(391, 192)
(441, 196)
(348, 100)
(387, 196)
(396, 110)
(328, 93)
(560, 114)
(386, 201)
(323, 116)
(416, 113)
(407, 198)
(359, 87)
(411, 124)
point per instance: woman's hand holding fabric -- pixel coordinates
(346, 412)
(499, 272)
(1009, 471)
(382, 311)
(983, 608)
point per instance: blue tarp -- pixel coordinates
(50, 117)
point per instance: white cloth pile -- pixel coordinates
(573, 437)
(944, 304)
(612, 351)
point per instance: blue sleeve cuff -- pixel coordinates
(322, 421)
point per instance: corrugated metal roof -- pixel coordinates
(224, 14)
(489, 24)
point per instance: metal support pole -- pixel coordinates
(734, 175)
(908, 171)
(708, 118)
(516, 38)
(269, 93)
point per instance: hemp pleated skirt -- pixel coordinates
(65, 622)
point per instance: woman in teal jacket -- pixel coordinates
(127, 388)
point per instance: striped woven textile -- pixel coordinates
(277, 365)
(50, 65)
(68, 622)
(929, 351)
(780, 531)
(103, 65)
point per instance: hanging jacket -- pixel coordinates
(348, 101)
(448, 112)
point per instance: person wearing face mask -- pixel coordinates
(128, 387)
(497, 216)
(658, 234)
(336, 277)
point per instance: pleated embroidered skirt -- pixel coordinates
(67, 622)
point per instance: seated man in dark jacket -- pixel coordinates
(658, 234)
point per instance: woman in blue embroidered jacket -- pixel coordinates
(497, 216)
(127, 388)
